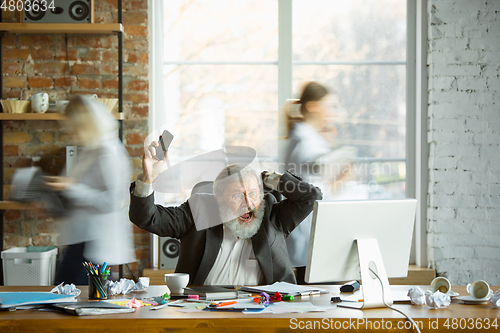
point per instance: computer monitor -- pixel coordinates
(350, 237)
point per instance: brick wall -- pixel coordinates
(34, 63)
(464, 125)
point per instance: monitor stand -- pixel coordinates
(370, 258)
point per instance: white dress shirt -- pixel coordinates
(235, 264)
(142, 189)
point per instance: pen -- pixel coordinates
(104, 267)
(157, 307)
(226, 303)
(185, 297)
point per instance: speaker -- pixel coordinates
(67, 11)
(169, 252)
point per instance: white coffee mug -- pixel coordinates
(40, 102)
(441, 284)
(176, 282)
(479, 289)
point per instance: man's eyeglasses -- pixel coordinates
(240, 197)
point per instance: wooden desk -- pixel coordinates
(171, 320)
(416, 276)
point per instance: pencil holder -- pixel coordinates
(98, 287)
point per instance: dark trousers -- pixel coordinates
(300, 274)
(70, 269)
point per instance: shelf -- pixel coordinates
(68, 28)
(42, 116)
(4, 205)
(156, 276)
(416, 276)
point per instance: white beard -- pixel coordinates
(246, 230)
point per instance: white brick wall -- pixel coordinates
(464, 136)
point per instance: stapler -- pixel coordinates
(350, 287)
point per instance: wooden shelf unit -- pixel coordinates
(43, 116)
(4, 205)
(58, 28)
(64, 28)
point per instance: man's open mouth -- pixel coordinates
(246, 217)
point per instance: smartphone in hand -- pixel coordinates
(165, 140)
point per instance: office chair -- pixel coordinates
(203, 187)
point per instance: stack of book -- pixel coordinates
(92, 308)
(285, 288)
(212, 292)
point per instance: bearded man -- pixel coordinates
(246, 246)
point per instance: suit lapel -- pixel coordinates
(212, 246)
(262, 250)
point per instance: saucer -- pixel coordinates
(472, 300)
(452, 293)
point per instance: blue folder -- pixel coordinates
(20, 298)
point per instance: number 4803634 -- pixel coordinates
(28, 5)
(471, 323)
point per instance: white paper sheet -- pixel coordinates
(298, 307)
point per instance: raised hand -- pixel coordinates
(58, 183)
(151, 166)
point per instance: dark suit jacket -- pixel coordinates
(199, 249)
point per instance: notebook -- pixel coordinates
(211, 292)
(92, 308)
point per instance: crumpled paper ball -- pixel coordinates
(495, 299)
(437, 300)
(69, 289)
(417, 296)
(142, 284)
(133, 303)
(125, 286)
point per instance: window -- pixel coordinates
(357, 49)
(224, 80)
